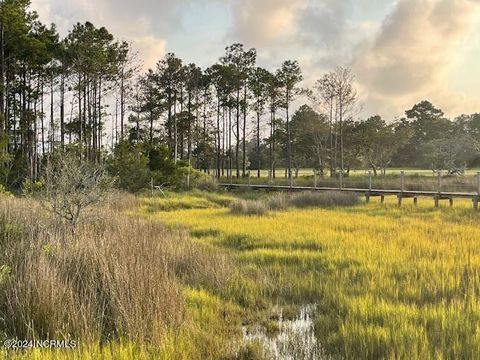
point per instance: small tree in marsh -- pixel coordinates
(72, 185)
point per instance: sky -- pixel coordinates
(401, 51)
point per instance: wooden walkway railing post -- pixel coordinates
(269, 178)
(402, 187)
(367, 195)
(476, 198)
(370, 180)
(438, 196)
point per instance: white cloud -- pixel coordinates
(142, 23)
(410, 58)
(266, 22)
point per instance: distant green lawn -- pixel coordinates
(280, 172)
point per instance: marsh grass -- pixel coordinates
(118, 280)
(323, 199)
(278, 202)
(389, 282)
(249, 207)
(282, 201)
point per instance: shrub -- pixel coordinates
(249, 207)
(4, 192)
(30, 188)
(139, 166)
(130, 166)
(323, 199)
(205, 183)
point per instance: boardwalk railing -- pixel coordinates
(401, 194)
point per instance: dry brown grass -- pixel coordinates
(323, 199)
(249, 207)
(116, 277)
(282, 201)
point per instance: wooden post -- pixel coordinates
(439, 184)
(437, 201)
(400, 198)
(478, 183)
(367, 197)
(476, 198)
(415, 200)
(450, 202)
(370, 180)
(402, 181)
(315, 180)
(382, 199)
(341, 180)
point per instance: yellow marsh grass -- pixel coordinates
(119, 281)
(389, 282)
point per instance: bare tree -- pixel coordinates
(323, 98)
(336, 95)
(73, 185)
(346, 97)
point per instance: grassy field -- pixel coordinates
(357, 172)
(388, 282)
(384, 282)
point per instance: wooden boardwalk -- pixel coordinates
(369, 193)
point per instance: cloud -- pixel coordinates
(143, 23)
(264, 23)
(324, 23)
(410, 57)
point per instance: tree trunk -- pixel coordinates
(100, 125)
(259, 161)
(289, 145)
(237, 146)
(175, 130)
(122, 102)
(42, 124)
(218, 138)
(62, 111)
(244, 149)
(80, 126)
(3, 119)
(52, 121)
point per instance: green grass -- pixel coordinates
(389, 282)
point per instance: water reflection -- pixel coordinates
(295, 339)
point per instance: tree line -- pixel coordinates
(86, 92)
